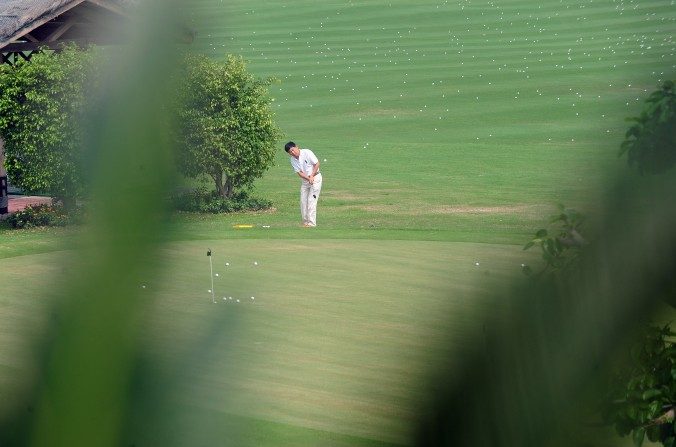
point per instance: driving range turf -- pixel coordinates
(447, 132)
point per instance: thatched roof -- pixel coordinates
(19, 17)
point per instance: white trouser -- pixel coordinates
(309, 194)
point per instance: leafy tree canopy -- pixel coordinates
(225, 124)
(42, 103)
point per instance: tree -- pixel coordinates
(650, 143)
(42, 103)
(226, 128)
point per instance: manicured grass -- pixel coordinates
(341, 338)
(423, 110)
(36, 240)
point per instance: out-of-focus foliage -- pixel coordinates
(643, 393)
(535, 378)
(560, 247)
(225, 125)
(87, 357)
(650, 144)
(42, 103)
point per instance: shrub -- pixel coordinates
(211, 202)
(42, 107)
(44, 216)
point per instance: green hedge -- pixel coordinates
(202, 201)
(44, 216)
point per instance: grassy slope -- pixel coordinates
(466, 118)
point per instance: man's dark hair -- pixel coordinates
(289, 145)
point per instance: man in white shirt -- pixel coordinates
(306, 165)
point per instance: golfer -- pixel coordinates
(306, 165)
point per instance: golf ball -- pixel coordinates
(255, 263)
(238, 301)
(209, 291)
(476, 263)
(227, 264)
(216, 274)
(143, 286)
(252, 298)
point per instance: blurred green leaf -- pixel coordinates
(638, 436)
(651, 394)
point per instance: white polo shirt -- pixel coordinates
(305, 163)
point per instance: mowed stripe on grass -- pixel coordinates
(448, 103)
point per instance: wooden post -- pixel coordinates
(4, 198)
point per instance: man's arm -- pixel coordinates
(302, 175)
(315, 170)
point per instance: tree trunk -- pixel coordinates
(224, 185)
(229, 188)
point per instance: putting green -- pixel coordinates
(340, 338)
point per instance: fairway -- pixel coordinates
(447, 133)
(424, 112)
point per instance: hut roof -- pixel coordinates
(19, 17)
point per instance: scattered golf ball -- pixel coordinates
(238, 301)
(216, 274)
(143, 286)
(209, 291)
(252, 298)
(230, 298)
(476, 263)
(225, 299)
(325, 159)
(255, 263)
(227, 264)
